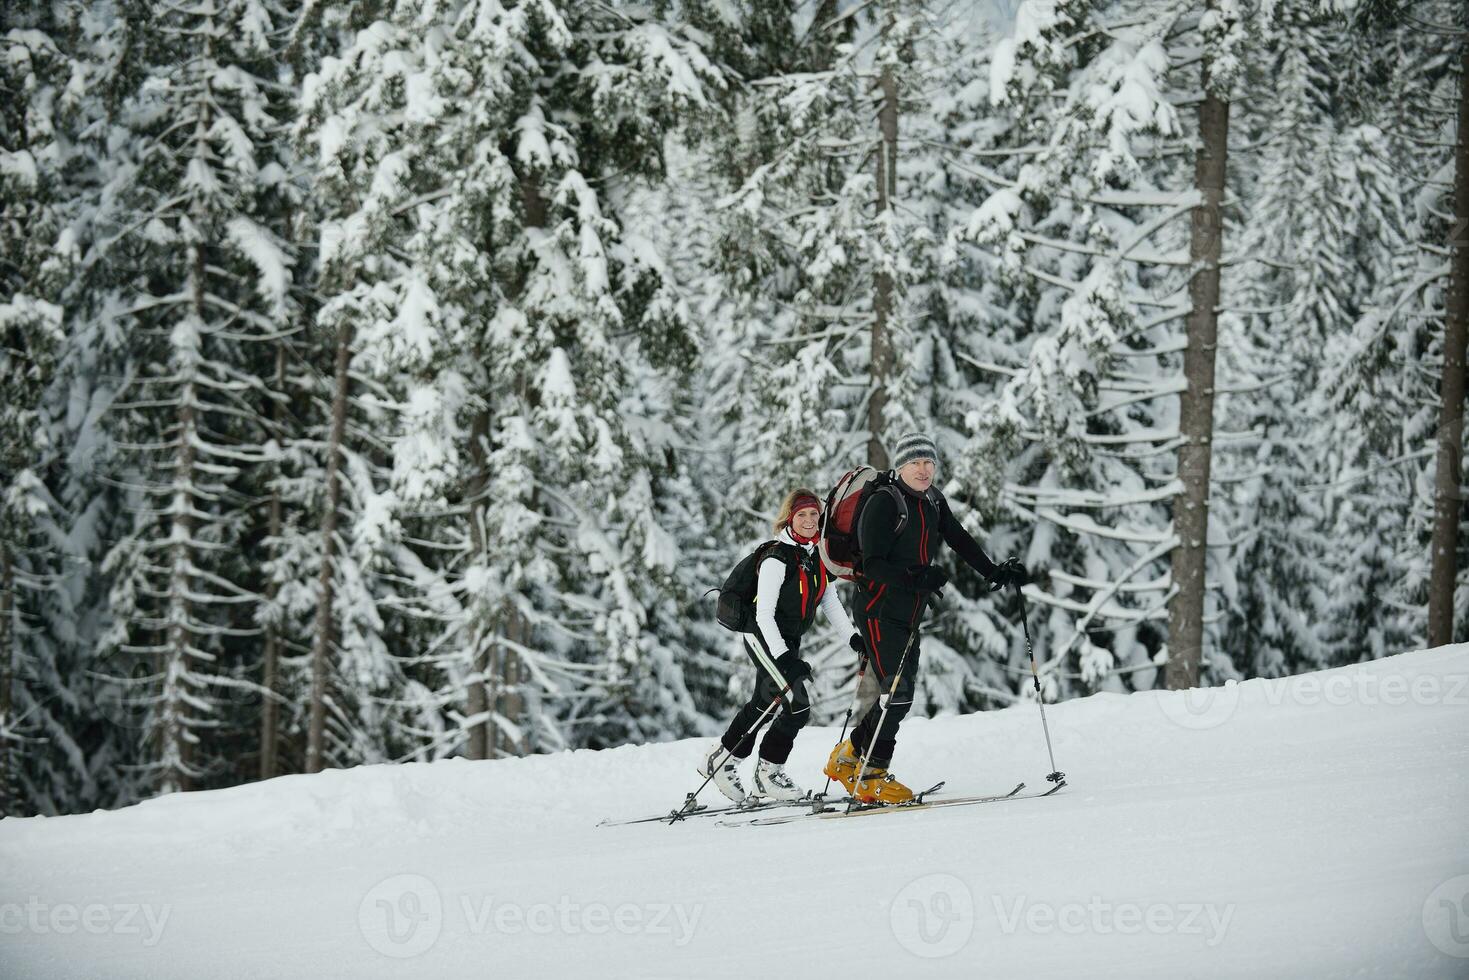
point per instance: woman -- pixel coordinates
(791, 585)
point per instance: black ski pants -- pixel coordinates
(886, 640)
(776, 745)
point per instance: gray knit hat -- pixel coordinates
(914, 445)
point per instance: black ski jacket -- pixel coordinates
(885, 583)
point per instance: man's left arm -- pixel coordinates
(964, 546)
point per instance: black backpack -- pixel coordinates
(737, 595)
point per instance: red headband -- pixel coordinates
(804, 501)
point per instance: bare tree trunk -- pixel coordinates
(494, 682)
(500, 666)
(179, 633)
(476, 700)
(1448, 497)
(513, 700)
(7, 669)
(322, 642)
(1196, 404)
(269, 711)
(882, 293)
(179, 607)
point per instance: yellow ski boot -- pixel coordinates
(881, 786)
(842, 764)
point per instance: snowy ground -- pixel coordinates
(1315, 827)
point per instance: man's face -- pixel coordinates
(918, 474)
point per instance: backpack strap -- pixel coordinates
(769, 548)
(788, 553)
(888, 483)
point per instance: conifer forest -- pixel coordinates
(390, 380)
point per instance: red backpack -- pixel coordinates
(838, 544)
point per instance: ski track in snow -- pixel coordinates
(1315, 826)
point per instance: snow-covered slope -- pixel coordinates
(1312, 827)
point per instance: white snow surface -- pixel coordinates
(1316, 826)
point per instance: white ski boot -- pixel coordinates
(772, 783)
(727, 776)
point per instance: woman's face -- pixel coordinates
(806, 520)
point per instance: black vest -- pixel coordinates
(800, 594)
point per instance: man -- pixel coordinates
(896, 579)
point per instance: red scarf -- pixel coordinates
(797, 537)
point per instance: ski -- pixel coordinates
(918, 803)
(1014, 794)
(817, 802)
(820, 809)
(704, 810)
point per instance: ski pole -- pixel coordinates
(1056, 775)
(688, 801)
(856, 699)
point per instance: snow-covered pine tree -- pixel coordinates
(1449, 480)
(32, 198)
(201, 279)
(583, 344)
(817, 250)
(1393, 369)
(30, 338)
(526, 344)
(1325, 222)
(355, 186)
(965, 328)
(1087, 214)
(1274, 630)
(62, 74)
(839, 103)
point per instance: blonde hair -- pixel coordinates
(787, 508)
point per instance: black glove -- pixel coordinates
(858, 645)
(792, 667)
(1011, 572)
(928, 578)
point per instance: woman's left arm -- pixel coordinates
(836, 615)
